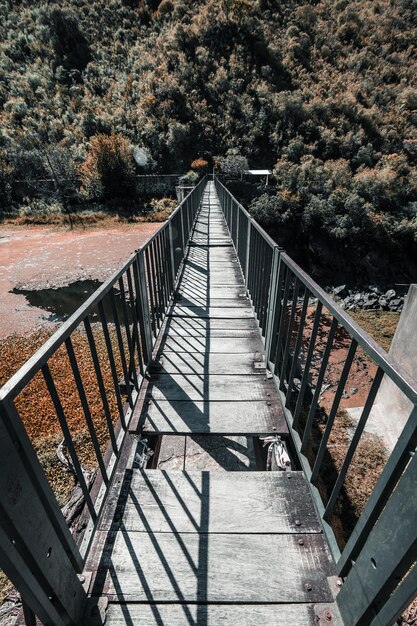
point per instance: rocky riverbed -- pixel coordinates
(370, 299)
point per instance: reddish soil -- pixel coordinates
(361, 373)
(38, 257)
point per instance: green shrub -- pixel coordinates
(108, 171)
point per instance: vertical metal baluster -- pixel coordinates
(354, 443)
(247, 267)
(86, 408)
(320, 378)
(333, 411)
(281, 324)
(256, 274)
(167, 265)
(297, 348)
(68, 438)
(306, 372)
(136, 323)
(142, 307)
(266, 283)
(28, 615)
(121, 346)
(290, 331)
(130, 339)
(149, 282)
(160, 275)
(112, 362)
(99, 376)
(155, 283)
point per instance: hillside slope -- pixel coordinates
(322, 91)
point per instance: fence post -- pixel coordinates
(143, 308)
(37, 551)
(274, 305)
(248, 252)
(386, 557)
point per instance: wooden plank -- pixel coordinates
(216, 332)
(216, 363)
(215, 614)
(211, 324)
(218, 292)
(210, 345)
(215, 502)
(251, 418)
(212, 312)
(211, 387)
(191, 567)
(202, 302)
(215, 453)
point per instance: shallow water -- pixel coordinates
(62, 302)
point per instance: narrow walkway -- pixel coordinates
(206, 537)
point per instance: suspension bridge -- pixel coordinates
(209, 505)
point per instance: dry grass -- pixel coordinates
(156, 210)
(35, 405)
(381, 325)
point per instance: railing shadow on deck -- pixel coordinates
(302, 327)
(107, 360)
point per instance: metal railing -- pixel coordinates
(115, 330)
(301, 326)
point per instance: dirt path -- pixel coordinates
(38, 257)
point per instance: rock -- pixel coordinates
(345, 395)
(341, 291)
(383, 302)
(353, 390)
(395, 304)
(390, 294)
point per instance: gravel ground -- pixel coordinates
(38, 257)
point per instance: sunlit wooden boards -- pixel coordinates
(209, 388)
(179, 417)
(213, 502)
(213, 615)
(216, 567)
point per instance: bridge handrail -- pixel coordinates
(145, 286)
(281, 298)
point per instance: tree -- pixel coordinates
(108, 171)
(233, 165)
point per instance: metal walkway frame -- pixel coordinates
(37, 551)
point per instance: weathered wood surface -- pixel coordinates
(204, 538)
(256, 502)
(202, 567)
(217, 453)
(212, 312)
(207, 302)
(214, 293)
(216, 332)
(204, 324)
(214, 363)
(251, 418)
(211, 387)
(210, 345)
(214, 615)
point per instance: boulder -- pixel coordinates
(341, 291)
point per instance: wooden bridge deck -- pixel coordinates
(205, 537)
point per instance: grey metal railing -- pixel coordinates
(118, 325)
(377, 561)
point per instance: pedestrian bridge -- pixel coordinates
(212, 501)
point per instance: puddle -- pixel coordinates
(61, 302)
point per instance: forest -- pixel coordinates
(321, 92)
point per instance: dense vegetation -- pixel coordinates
(321, 91)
